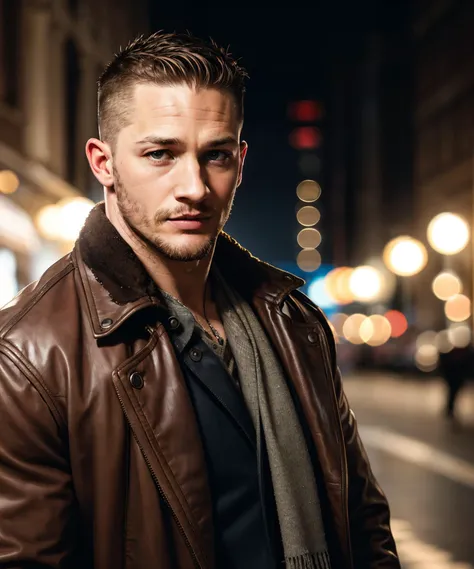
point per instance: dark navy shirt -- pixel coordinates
(239, 482)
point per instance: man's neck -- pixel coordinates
(185, 281)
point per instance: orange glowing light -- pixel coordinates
(337, 286)
(398, 322)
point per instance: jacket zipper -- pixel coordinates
(162, 494)
(344, 463)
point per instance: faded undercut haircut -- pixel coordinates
(164, 59)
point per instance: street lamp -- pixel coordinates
(445, 285)
(337, 286)
(405, 256)
(63, 221)
(458, 308)
(448, 233)
(366, 284)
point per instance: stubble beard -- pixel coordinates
(146, 228)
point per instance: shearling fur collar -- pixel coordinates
(119, 270)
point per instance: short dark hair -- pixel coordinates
(164, 59)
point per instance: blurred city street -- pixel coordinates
(359, 180)
(424, 464)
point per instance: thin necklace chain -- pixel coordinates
(220, 340)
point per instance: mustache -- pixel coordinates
(163, 215)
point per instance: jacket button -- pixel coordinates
(312, 338)
(173, 322)
(195, 354)
(106, 323)
(136, 380)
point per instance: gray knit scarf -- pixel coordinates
(270, 404)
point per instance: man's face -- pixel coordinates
(176, 168)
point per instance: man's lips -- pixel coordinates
(199, 217)
(189, 221)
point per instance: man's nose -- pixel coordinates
(191, 184)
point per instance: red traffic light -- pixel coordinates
(305, 111)
(306, 138)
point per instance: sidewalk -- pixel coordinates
(413, 407)
(407, 394)
(423, 462)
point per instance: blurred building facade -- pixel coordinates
(51, 55)
(443, 134)
(369, 157)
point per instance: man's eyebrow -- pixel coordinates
(159, 141)
(223, 142)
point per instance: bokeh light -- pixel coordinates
(337, 285)
(64, 220)
(375, 330)
(398, 322)
(47, 222)
(459, 335)
(9, 182)
(73, 214)
(309, 238)
(366, 283)
(308, 191)
(308, 260)
(366, 330)
(305, 111)
(405, 256)
(308, 215)
(306, 138)
(426, 338)
(317, 293)
(458, 308)
(446, 284)
(351, 328)
(448, 233)
(426, 357)
(443, 342)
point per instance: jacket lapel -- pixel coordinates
(157, 406)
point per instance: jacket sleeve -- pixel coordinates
(372, 543)
(36, 497)
(373, 546)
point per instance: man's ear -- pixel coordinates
(99, 157)
(243, 153)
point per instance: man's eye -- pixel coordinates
(218, 156)
(157, 155)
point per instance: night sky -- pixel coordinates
(289, 53)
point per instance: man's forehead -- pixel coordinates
(180, 112)
(182, 100)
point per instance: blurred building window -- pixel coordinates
(9, 52)
(72, 91)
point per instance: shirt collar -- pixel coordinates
(180, 322)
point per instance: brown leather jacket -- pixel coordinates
(101, 464)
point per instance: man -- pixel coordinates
(168, 400)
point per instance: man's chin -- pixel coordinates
(191, 250)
